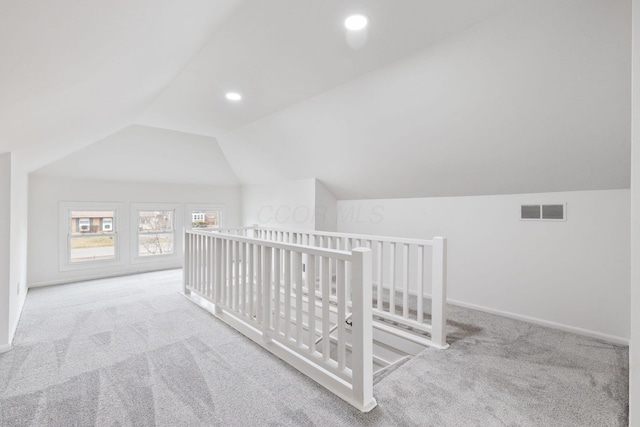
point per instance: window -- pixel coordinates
(88, 235)
(207, 217)
(156, 232)
(88, 242)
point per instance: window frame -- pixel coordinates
(191, 207)
(64, 235)
(136, 208)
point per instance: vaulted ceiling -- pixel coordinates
(435, 98)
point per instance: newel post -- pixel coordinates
(362, 329)
(439, 293)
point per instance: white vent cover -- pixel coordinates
(551, 212)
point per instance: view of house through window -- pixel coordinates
(92, 236)
(156, 232)
(205, 219)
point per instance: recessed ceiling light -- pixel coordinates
(356, 22)
(233, 96)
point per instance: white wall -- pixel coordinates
(572, 274)
(45, 196)
(19, 239)
(146, 154)
(5, 233)
(285, 204)
(326, 208)
(13, 245)
(634, 354)
(300, 204)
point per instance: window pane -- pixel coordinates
(92, 248)
(83, 222)
(155, 244)
(89, 239)
(205, 219)
(150, 221)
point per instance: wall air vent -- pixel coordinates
(555, 212)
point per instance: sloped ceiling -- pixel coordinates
(75, 71)
(280, 52)
(444, 98)
(533, 100)
(146, 154)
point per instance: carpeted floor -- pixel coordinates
(133, 352)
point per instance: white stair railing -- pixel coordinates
(408, 276)
(285, 297)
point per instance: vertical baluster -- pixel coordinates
(196, 254)
(311, 312)
(276, 289)
(223, 283)
(259, 269)
(266, 292)
(218, 268)
(377, 275)
(397, 276)
(332, 265)
(210, 263)
(298, 280)
(326, 313)
(193, 263)
(342, 305)
(223, 269)
(236, 273)
(202, 264)
(229, 273)
(338, 246)
(413, 274)
(404, 277)
(187, 263)
(194, 278)
(243, 277)
(287, 294)
(348, 247)
(251, 278)
(422, 283)
(392, 276)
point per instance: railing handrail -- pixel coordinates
(404, 240)
(313, 250)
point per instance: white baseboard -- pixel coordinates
(98, 277)
(579, 331)
(4, 348)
